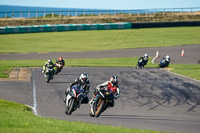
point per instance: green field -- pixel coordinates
(98, 40)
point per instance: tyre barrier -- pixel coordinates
(165, 24)
(63, 27)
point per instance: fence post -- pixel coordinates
(146, 12)
(130, 13)
(28, 14)
(21, 15)
(36, 14)
(13, 14)
(5, 14)
(154, 12)
(164, 12)
(60, 14)
(52, 14)
(191, 12)
(44, 15)
(138, 13)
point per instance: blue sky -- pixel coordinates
(105, 4)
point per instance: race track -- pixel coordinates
(150, 98)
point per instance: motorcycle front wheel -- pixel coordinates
(71, 106)
(99, 109)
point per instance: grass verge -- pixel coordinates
(18, 118)
(98, 40)
(190, 70)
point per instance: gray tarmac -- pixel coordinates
(150, 98)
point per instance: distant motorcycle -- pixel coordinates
(140, 64)
(163, 63)
(102, 103)
(74, 99)
(49, 73)
(58, 68)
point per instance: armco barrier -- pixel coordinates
(63, 27)
(165, 24)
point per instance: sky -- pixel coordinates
(105, 4)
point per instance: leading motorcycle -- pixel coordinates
(104, 102)
(48, 74)
(74, 99)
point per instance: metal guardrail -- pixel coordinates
(104, 13)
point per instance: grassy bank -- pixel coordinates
(18, 118)
(183, 69)
(98, 40)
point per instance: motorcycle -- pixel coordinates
(140, 64)
(74, 99)
(49, 74)
(58, 68)
(163, 63)
(102, 103)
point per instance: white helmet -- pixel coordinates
(167, 57)
(83, 77)
(145, 56)
(49, 61)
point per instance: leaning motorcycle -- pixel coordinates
(74, 99)
(104, 102)
(49, 73)
(162, 64)
(58, 68)
(140, 64)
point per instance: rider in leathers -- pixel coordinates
(144, 59)
(113, 83)
(85, 83)
(49, 65)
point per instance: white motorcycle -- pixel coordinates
(73, 99)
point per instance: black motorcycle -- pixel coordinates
(102, 103)
(49, 73)
(140, 64)
(58, 68)
(163, 63)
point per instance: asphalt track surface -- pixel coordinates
(150, 98)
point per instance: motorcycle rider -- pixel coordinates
(111, 85)
(144, 59)
(61, 62)
(49, 64)
(165, 62)
(83, 82)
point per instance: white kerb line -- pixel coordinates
(34, 98)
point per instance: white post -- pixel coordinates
(44, 14)
(28, 14)
(36, 14)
